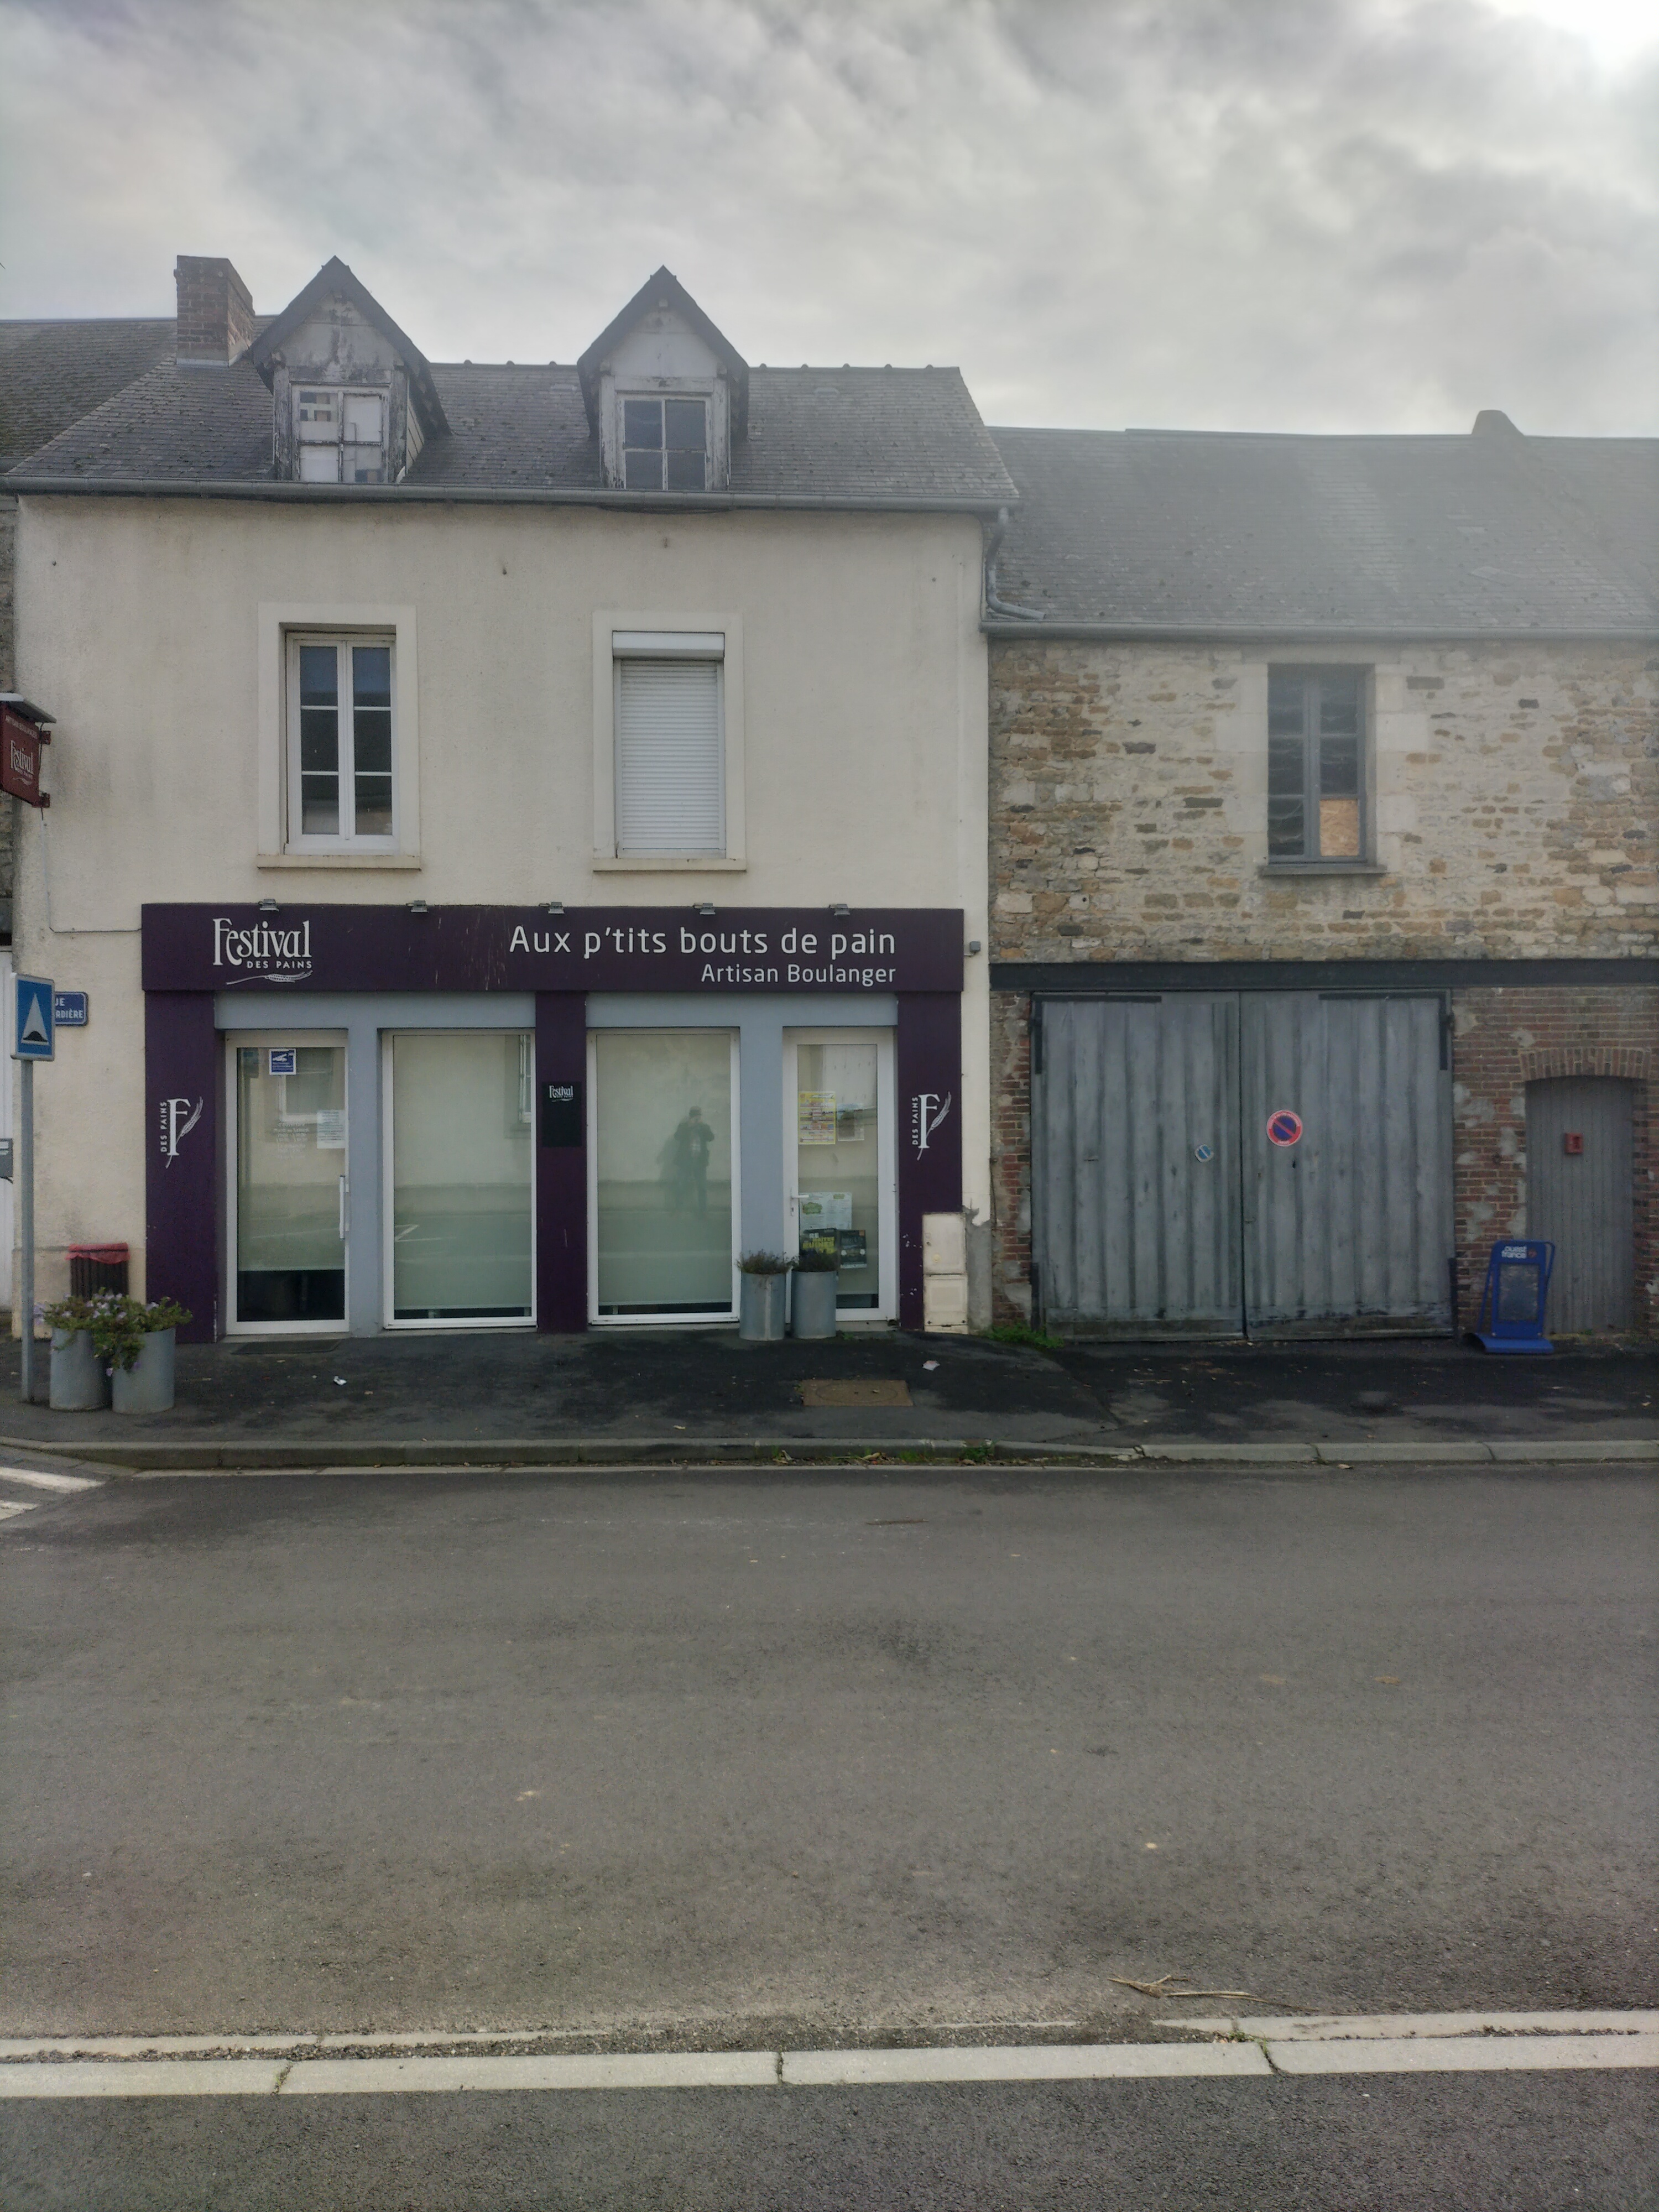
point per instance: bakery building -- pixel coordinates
(521, 828)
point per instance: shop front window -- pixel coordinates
(458, 1225)
(663, 1155)
(843, 1173)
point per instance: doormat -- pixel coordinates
(878, 1393)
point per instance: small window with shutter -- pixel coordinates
(670, 742)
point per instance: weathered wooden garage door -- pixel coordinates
(1134, 1134)
(1161, 1206)
(1349, 1229)
(1584, 1200)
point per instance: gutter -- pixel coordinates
(623, 502)
(1310, 634)
(994, 604)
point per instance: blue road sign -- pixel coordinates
(69, 1010)
(32, 1029)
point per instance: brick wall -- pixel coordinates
(1514, 793)
(1504, 1039)
(1011, 1156)
(216, 309)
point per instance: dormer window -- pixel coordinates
(665, 444)
(340, 435)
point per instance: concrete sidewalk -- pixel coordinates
(450, 1397)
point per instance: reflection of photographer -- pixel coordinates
(690, 1147)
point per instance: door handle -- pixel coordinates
(345, 1208)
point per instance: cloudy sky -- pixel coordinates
(1308, 215)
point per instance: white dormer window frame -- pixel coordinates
(340, 434)
(658, 433)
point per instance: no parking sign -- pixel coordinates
(1284, 1127)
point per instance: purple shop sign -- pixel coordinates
(503, 948)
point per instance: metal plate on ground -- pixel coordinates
(877, 1391)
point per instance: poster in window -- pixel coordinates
(816, 1117)
(825, 1209)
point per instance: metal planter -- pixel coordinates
(762, 1304)
(79, 1382)
(814, 1314)
(146, 1387)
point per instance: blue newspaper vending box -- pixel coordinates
(1513, 1303)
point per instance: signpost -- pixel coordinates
(23, 734)
(31, 1040)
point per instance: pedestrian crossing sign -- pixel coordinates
(32, 1024)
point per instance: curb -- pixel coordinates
(190, 1456)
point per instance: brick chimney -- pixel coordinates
(215, 311)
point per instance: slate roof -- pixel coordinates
(52, 372)
(1207, 532)
(1616, 481)
(869, 435)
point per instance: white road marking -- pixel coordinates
(644, 2069)
(1029, 2061)
(155, 2077)
(290, 2066)
(1463, 2054)
(38, 1480)
(1325, 2027)
(8, 1508)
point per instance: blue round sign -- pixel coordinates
(1284, 1127)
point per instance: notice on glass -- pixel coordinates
(330, 1129)
(816, 1117)
(825, 1209)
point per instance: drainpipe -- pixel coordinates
(994, 605)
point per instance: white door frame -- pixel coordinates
(266, 1040)
(886, 1306)
(595, 1318)
(388, 1232)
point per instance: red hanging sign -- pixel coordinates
(20, 745)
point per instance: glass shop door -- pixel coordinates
(839, 1160)
(290, 1191)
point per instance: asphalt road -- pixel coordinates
(746, 1759)
(1522, 2143)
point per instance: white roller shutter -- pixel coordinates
(670, 757)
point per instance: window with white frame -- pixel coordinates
(1316, 806)
(670, 742)
(340, 436)
(665, 444)
(341, 790)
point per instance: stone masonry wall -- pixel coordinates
(1515, 799)
(1504, 1039)
(1515, 795)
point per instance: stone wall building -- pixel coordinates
(1338, 724)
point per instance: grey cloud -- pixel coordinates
(1296, 214)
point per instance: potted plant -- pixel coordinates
(80, 1378)
(763, 1279)
(137, 1341)
(818, 1280)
